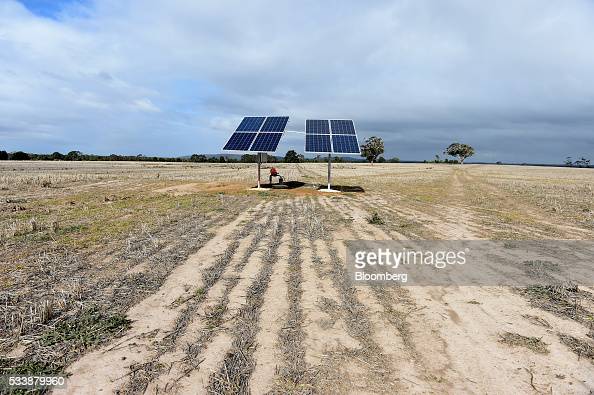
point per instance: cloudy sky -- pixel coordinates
(513, 78)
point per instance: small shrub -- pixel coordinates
(581, 347)
(532, 343)
(375, 219)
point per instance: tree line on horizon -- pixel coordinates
(79, 156)
(290, 157)
(371, 151)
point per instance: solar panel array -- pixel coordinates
(259, 134)
(335, 136)
(263, 134)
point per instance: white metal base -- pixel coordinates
(327, 190)
(259, 189)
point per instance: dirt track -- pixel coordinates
(265, 304)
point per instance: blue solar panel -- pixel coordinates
(317, 143)
(266, 142)
(239, 141)
(275, 124)
(343, 144)
(340, 126)
(250, 124)
(317, 126)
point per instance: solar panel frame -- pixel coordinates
(266, 142)
(317, 126)
(274, 124)
(250, 124)
(240, 141)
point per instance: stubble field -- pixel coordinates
(175, 278)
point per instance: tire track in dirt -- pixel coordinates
(455, 213)
(444, 218)
(542, 227)
(155, 320)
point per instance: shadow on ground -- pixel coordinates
(345, 188)
(299, 184)
(288, 185)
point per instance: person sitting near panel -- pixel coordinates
(275, 173)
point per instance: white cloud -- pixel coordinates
(126, 76)
(145, 105)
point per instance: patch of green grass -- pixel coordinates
(28, 367)
(200, 292)
(87, 219)
(89, 328)
(78, 228)
(214, 316)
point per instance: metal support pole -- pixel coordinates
(259, 163)
(329, 167)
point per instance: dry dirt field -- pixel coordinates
(174, 278)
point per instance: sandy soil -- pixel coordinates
(265, 305)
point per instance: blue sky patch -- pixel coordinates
(48, 8)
